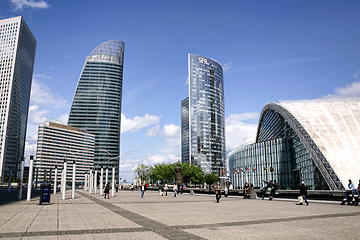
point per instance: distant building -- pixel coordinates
(314, 141)
(17, 54)
(56, 143)
(204, 115)
(96, 105)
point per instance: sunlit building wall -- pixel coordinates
(57, 143)
(17, 54)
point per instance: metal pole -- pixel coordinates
(21, 178)
(61, 181)
(113, 182)
(107, 176)
(55, 180)
(101, 180)
(31, 167)
(85, 185)
(90, 182)
(95, 181)
(64, 184)
(73, 180)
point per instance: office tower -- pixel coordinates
(17, 54)
(185, 131)
(205, 114)
(56, 143)
(96, 105)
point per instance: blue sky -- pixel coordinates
(270, 51)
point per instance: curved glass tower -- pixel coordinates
(205, 114)
(96, 105)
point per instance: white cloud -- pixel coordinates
(350, 90)
(154, 131)
(227, 66)
(37, 116)
(137, 123)
(237, 117)
(171, 130)
(237, 132)
(63, 119)
(19, 4)
(42, 95)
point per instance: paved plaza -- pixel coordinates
(127, 216)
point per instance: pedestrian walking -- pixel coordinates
(218, 192)
(107, 190)
(161, 190)
(142, 188)
(175, 190)
(303, 193)
(166, 187)
(266, 186)
(117, 187)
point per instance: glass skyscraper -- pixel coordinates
(205, 117)
(96, 105)
(17, 54)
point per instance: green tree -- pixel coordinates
(192, 174)
(163, 173)
(211, 178)
(143, 172)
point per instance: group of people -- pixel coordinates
(351, 188)
(272, 185)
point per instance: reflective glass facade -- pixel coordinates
(315, 141)
(206, 114)
(185, 130)
(17, 54)
(96, 105)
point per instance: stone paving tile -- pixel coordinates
(309, 229)
(126, 216)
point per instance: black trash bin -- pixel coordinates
(45, 193)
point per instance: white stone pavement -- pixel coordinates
(126, 216)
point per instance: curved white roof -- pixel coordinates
(334, 126)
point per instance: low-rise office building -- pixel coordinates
(57, 143)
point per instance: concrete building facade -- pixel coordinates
(17, 54)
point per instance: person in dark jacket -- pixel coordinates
(303, 192)
(273, 190)
(107, 190)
